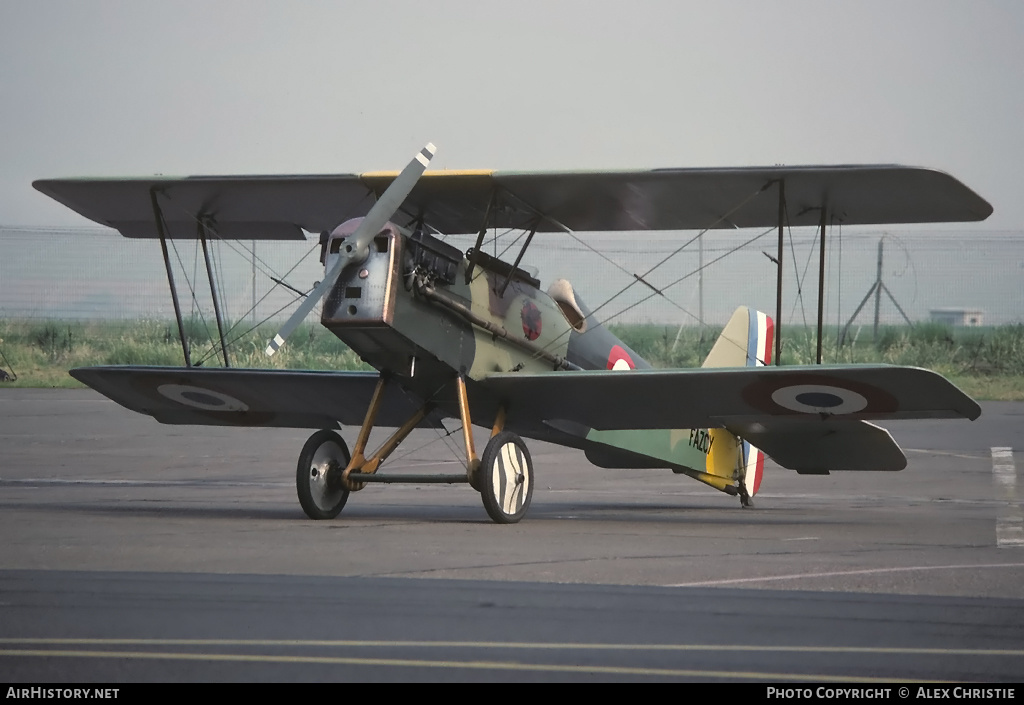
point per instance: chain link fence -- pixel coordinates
(52, 276)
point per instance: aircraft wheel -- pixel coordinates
(506, 478)
(318, 476)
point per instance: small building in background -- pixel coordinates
(958, 317)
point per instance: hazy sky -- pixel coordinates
(134, 88)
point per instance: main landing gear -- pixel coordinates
(505, 477)
(321, 492)
(327, 473)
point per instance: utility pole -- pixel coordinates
(877, 288)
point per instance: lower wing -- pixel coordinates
(811, 419)
(239, 397)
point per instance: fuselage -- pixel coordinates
(424, 313)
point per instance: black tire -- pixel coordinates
(506, 478)
(318, 475)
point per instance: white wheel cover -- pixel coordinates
(509, 464)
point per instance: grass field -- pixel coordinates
(987, 363)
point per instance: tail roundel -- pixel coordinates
(746, 341)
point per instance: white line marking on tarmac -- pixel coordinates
(21, 400)
(947, 454)
(100, 648)
(511, 645)
(28, 482)
(840, 573)
(585, 669)
(101, 482)
(1009, 520)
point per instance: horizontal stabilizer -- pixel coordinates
(823, 444)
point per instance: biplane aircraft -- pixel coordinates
(470, 336)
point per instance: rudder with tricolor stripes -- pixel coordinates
(746, 341)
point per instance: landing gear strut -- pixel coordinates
(327, 472)
(503, 475)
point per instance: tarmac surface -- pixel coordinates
(134, 552)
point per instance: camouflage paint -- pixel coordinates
(409, 326)
(716, 451)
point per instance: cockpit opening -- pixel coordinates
(562, 294)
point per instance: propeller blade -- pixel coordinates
(358, 243)
(302, 311)
(389, 202)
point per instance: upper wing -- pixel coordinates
(243, 207)
(805, 418)
(684, 199)
(281, 207)
(238, 397)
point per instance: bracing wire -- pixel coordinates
(441, 437)
(266, 269)
(796, 271)
(213, 351)
(191, 289)
(642, 277)
(661, 291)
(691, 273)
(229, 344)
(670, 285)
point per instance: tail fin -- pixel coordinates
(746, 341)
